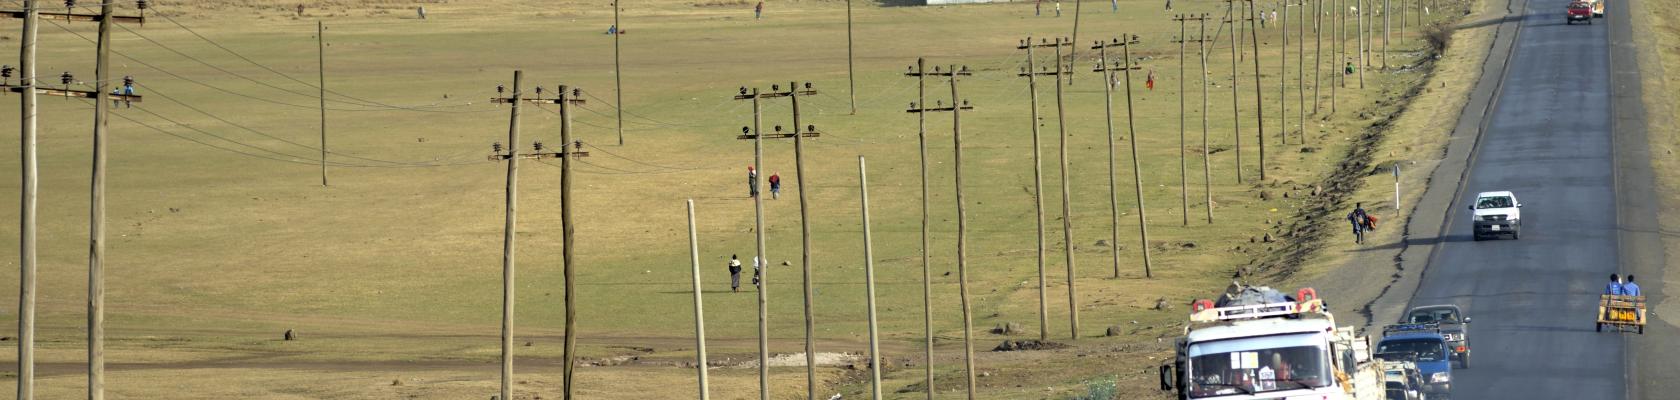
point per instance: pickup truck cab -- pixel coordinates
(1402, 381)
(1425, 347)
(1580, 11)
(1453, 325)
(1496, 213)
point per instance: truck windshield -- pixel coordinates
(1425, 350)
(1255, 365)
(1494, 202)
(1443, 315)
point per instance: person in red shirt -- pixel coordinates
(775, 186)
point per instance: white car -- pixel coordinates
(1496, 213)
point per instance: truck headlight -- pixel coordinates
(1440, 377)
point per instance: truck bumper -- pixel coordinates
(1434, 389)
(1490, 228)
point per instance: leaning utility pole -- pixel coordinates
(927, 271)
(1283, 76)
(1137, 168)
(1207, 163)
(1038, 176)
(956, 108)
(321, 57)
(1073, 51)
(1201, 50)
(869, 285)
(699, 307)
(1108, 118)
(1259, 106)
(618, 74)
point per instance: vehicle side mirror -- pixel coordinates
(1472, 207)
(1519, 205)
(1466, 320)
(1167, 377)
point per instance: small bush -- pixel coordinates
(1438, 36)
(1100, 390)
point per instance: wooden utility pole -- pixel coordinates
(1364, 54)
(869, 284)
(1283, 76)
(508, 236)
(568, 235)
(1108, 117)
(962, 229)
(1067, 191)
(1073, 51)
(793, 93)
(851, 74)
(96, 208)
(1259, 107)
(1402, 22)
(1038, 177)
(1386, 36)
(1137, 167)
(618, 74)
(321, 56)
(1183, 160)
(1232, 17)
(757, 137)
(955, 109)
(699, 306)
(1207, 163)
(31, 183)
(1318, 60)
(927, 270)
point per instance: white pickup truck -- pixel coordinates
(1496, 213)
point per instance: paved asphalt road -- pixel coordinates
(1548, 140)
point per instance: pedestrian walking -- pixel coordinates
(1359, 220)
(734, 273)
(1150, 83)
(752, 182)
(1038, 8)
(756, 266)
(127, 89)
(1169, 5)
(1058, 8)
(758, 11)
(422, 11)
(775, 186)
(1114, 4)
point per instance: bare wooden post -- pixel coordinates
(962, 232)
(1283, 76)
(699, 306)
(508, 238)
(1386, 36)
(1236, 98)
(27, 223)
(1318, 60)
(1207, 162)
(1137, 167)
(1300, 72)
(1073, 51)
(568, 264)
(1335, 54)
(762, 269)
(96, 213)
(869, 284)
(321, 53)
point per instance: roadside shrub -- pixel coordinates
(1438, 35)
(1100, 390)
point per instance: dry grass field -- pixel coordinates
(221, 237)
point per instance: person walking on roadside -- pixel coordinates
(758, 11)
(1038, 8)
(775, 186)
(1115, 4)
(752, 182)
(1058, 8)
(1357, 217)
(734, 274)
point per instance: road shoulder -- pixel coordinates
(1644, 145)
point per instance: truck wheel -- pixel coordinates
(1598, 327)
(1642, 329)
(1516, 234)
(1464, 361)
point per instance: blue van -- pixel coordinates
(1424, 345)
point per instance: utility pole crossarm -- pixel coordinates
(72, 17)
(86, 94)
(1045, 43)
